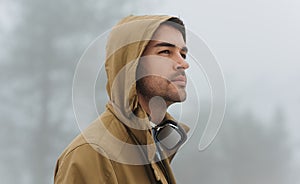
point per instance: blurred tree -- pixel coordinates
(43, 50)
(254, 152)
(246, 150)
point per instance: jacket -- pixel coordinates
(118, 146)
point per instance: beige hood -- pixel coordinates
(125, 46)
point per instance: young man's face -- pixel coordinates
(163, 66)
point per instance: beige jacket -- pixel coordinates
(118, 146)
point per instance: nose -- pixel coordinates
(181, 63)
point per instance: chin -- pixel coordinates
(177, 97)
(182, 95)
(182, 99)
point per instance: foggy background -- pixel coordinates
(255, 42)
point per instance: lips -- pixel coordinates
(179, 80)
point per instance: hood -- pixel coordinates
(125, 46)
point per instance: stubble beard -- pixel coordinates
(152, 86)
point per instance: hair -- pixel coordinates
(177, 24)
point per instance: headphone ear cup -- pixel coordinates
(170, 135)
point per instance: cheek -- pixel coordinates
(156, 84)
(154, 65)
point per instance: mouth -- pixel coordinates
(179, 81)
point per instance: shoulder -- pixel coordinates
(89, 154)
(84, 164)
(98, 137)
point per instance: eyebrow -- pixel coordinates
(166, 44)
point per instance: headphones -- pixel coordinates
(169, 135)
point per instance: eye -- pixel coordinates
(164, 52)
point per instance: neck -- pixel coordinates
(155, 107)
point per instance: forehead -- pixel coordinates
(169, 34)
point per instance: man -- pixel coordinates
(134, 139)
